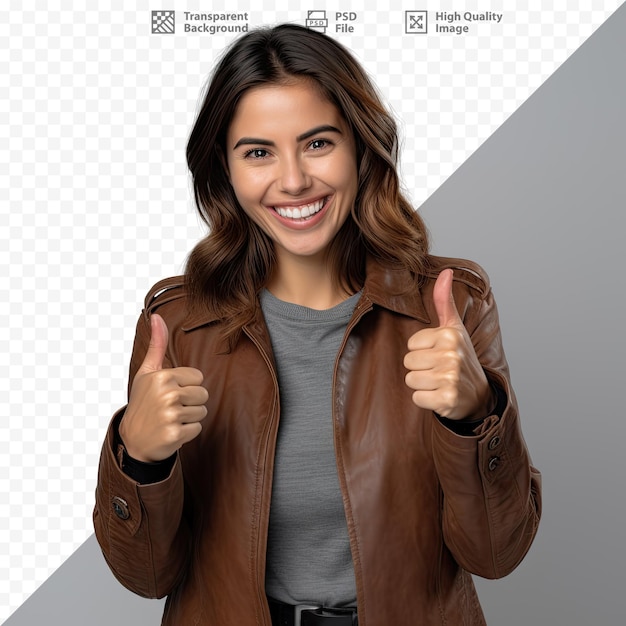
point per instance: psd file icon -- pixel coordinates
(316, 20)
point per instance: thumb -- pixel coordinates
(444, 300)
(158, 344)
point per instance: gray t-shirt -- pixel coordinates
(308, 555)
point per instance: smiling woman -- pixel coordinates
(292, 164)
(320, 426)
(227, 268)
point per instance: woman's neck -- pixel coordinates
(307, 282)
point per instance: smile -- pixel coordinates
(305, 211)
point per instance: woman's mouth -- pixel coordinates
(302, 212)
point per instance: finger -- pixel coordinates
(421, 360)
(192, 414)
(424, 339)
(153, 360)
(437, 401)
(421, 380)
(444, 338)
(444, 300)
(190, 431)
(425, 399)
(187, 376)
(431, 380)
(193, 396)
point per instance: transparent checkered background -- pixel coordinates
(95, 203)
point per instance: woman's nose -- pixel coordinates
(293, 176)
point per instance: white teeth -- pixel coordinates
(302, 212)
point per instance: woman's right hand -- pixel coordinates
(165, 406)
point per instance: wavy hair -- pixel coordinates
(226, 270)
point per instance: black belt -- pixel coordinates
(310, 615)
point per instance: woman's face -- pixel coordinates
(292, 162)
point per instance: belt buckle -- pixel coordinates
(297, 612)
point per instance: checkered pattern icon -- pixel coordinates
(163, 22)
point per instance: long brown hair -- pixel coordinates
(226, 270)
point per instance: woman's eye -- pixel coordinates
(256, 153)
(318, 144)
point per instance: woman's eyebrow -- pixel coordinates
(252, 140)
(324, 128)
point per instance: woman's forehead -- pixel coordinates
(284, 106)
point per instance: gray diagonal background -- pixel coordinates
(541, 205)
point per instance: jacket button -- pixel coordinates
(494, 443)
(494, 461)
(120, 507)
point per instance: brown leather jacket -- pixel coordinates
(425, 507)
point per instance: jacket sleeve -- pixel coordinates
(140, 528)
(491, 491)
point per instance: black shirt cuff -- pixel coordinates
(142, 472)
(466, 428)
(147, 473)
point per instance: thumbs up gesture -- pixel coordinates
(444, 371)
(166, 405)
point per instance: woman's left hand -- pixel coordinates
(444, 371)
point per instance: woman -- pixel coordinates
(320, 426)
